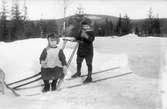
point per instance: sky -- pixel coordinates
(135, 9)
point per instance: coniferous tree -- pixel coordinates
(111, 28)
(148, 24)
(25, 18)
(107, 27)
(50, 27)
(157, 26)
(126, 25)
(118, 30)
(123, 25)
(96, 28)
(17, 23)
(151, 25)
(3, 22)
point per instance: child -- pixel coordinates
(53, 63)
(85, 50)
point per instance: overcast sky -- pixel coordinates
(136, 9)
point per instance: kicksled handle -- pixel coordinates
(72, 55)
(68, 64)
(71, 40)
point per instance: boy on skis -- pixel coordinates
(53, 63)
(85, 50)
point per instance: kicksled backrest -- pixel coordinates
(2, 79)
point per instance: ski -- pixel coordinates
(98, 80)
(94, 73)
(97, 72)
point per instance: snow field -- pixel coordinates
(139, 90)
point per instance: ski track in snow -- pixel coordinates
(139, 90)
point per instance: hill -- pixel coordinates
(100, 19)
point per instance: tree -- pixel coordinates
(25, 23)
(136, 30)
(25, 14)
(17, 23)
(150, 22)
(151, 25)
(96, 28)
(50, 26)
(3, 22)
(111, 27)
(126, 25)
(118, 30)
(157, 26)
(123, 25)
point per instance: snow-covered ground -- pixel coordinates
(164, 72)
(138, 90)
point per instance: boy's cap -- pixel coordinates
(53, 35)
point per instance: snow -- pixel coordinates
(139, 90)
(163, 72)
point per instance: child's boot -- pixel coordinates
(78, 73)
(88, 79)
(54, 85)
(46, 86)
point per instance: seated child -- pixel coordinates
(53, 63)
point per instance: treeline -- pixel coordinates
(124, 25)
(108, 28)
(14, 24)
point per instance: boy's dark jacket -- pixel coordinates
(85, 45)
